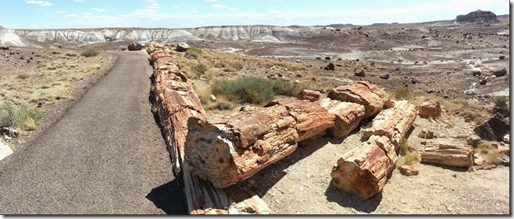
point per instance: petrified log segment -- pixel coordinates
(363, 171)
(226, 151)
(225, 155)
(177, 102)
(393, 123)
(348, 116)
(309, 95)
(449, 155)
(311, 119)
(369, 95)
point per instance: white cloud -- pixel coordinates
(98, 9)
(61, 12)
(150, 1)
(40, 3)
(210, 0)
(72, 15)
(225, 7)
(154, 6)
(219, 6)
(176, 7)
(79, 1)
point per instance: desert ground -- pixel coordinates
(422, 62)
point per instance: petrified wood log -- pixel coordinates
(393, 122)
(449, 155)
(347, 116)
(369, 95)
(177, 102)
(363, 171)
(228, 150)
(311, 119)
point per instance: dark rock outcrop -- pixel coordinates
(477, 17)
(134, 46)
(494, 129)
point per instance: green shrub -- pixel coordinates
(90, 53)
(411, 158)
(500, 102)
(194, 52)
(245, 90)
(41, 66)
(22, 76)
(23, 118)
(200, 69)
(402, 93)
(283, 87)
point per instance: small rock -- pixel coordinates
(182, 47)
(506, 138)
(488, 167)
(473, 140)
(5, 150)
(135, 46)
(483, 82)
(309, 95)
(430, 109)
(408, 170)
(426, 134)
(329, 67)
(359, 73)
(500, 72)
(385, 76)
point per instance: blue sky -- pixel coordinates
(49, 14)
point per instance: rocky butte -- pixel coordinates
(478, 17)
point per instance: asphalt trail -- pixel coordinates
(106, 155)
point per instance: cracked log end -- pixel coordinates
(363, 171)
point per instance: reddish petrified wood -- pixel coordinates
(373, 98)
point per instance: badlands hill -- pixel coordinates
(254, 33)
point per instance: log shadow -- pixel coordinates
(170, 197)
(272, 174)
(350, 200)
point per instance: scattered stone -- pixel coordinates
(408, 170)
(500, 72)
(506, 138)
(483, 81)
(330, 67)
(502, 57)
(309, 95)
(182, 47)
(413, 81)
(134, 46)
(493, 129)
(477, 73)
(488, 167)
(430, 109)
(327, 58)
(359, 72)
(473, 140)
(426, 134)
(479, 159)
(384, 76)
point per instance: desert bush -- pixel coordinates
(402, 93)
(24, 118)
(71, 54)
(283, 87)
(245, 90)
(22, 76)
(411, 158)
(200, 69)
(41, 66)
(90, 53)
(222, 105)
(472, 115)
(194, 52)
(500, 102)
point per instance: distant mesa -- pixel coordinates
(477, 17)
